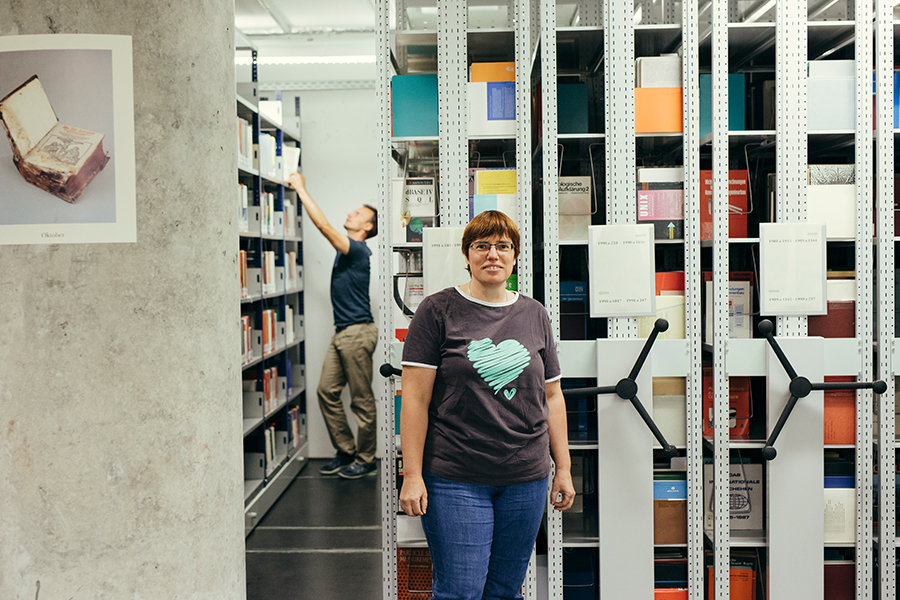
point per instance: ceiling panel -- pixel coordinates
(338, 14)
(251, 16)
(263, 16)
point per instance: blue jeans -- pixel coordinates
(481, 537)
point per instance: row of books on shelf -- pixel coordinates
(747, 575)
(831, 199)
(415, 202)
(831, 99)
(276, 278)
(272, 448)
(658, 103)
(581, 575)
(491, 95)
(272, 392)
(838, 322)
(246, 340)
(294, 427)
(659, 201)
(264, 155)
(747, 500)
(274, 328)
(245, 144)
(272, 107)
(269, 278)
(266, 389)
(276, 333)
(278, 440)
(265, 219)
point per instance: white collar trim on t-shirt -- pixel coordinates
(484, 302)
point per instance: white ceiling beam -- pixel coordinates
(300, 32)
(241, 41)
(300, 86)
(276, 15)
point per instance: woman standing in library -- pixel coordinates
(482, 413)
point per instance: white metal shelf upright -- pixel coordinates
(550, 176)
(692, 267)
(886, 261)
(453, 144)
(524, 21)
(453, 112)
(625, 456)
(791, 149)
(523, 18)
(865, 160)
(791, 156)
(721, 453)
(389, 504)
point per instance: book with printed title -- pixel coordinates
(575, 207)
(660, 201)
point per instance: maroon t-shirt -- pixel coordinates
(487, 420)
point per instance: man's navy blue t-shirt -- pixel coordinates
(350, 286)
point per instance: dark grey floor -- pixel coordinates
(321, 540)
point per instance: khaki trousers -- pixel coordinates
(348, 360)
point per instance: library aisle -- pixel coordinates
(321, 539)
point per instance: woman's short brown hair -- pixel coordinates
(487, 224)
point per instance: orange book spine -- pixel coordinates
(658, 110)
(493, 71)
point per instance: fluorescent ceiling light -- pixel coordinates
(308, 60)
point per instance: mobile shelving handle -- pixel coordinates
(627, 389)
(800, 387)
(389, 370)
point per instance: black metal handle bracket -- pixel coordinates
(800, 387)
(389, 370)
(627, 389)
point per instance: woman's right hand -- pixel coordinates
(413, 496)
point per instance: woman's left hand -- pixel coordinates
(562, 494)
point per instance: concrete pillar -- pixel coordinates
(120, 411)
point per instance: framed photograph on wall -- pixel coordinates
(67, 170)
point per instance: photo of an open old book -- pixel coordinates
(60, 159)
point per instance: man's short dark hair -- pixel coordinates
(374, 221)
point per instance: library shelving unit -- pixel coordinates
(749, 105)
(272, 306)
(446, 155)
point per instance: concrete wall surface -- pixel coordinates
(121, 460)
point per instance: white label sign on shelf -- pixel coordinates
(622, 266)
(443, 262)
(792, 269)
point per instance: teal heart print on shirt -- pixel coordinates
(498, 364)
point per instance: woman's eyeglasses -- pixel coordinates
(484, 247)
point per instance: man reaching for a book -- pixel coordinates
(348, 359)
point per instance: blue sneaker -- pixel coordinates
(357, 470)
(337, 464)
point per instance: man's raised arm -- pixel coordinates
(339, 240)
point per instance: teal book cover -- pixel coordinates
(736, 103)
(414, 105)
